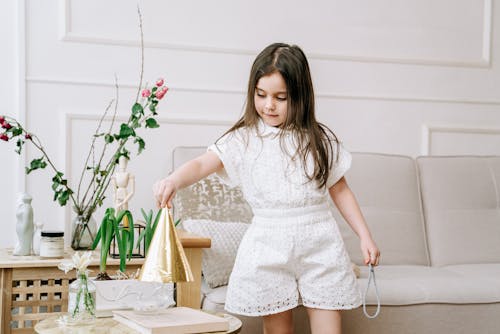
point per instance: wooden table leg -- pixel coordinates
(5, 299)
(189, 293)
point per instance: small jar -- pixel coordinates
(52, 244)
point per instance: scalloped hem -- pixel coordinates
(283, 309)
(333, 308)
(260, 313)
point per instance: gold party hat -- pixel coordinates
(166, 261)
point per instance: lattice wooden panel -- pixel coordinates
(36, 294)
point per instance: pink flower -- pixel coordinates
(161, 93)
(27, 136)
(160, 82)
(146, 93)
(4, 137)
(2, 119)
(6, 125)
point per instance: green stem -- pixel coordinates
(88, 301)
(45, 155)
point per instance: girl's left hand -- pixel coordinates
(370, 251)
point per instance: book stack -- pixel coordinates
(175, 320)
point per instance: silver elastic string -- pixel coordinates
(371, 276)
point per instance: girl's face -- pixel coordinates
(271, 99)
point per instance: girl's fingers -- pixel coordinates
(164, 199)
(375, 257)
(159, 193)
(366, 255)
(171, 197)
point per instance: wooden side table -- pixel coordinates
(33, 288)
(110, 326)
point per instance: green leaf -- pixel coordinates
(151, 123)
(19, 145)
(135, 123)
(107, 235)
(152, 107)
(141, 144)
(126, 131)
(145, 215)
(16, 131)
(157, 219)
(36, 164)
(108, 138)
(57, 177)
(63, 197)
(125, 153)
(137, 109)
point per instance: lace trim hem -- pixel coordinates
(261, 311)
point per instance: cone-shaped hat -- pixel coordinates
(165, 261)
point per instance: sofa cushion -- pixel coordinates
(410, 285)
(211, 199)
(215, 295)
(387, 189)
(462, 208)
(218, 260)
(406, 285)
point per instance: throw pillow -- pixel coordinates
(211, 199)
(218, 260)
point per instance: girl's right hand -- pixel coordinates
(164, 191)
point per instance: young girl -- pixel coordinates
(286, 164)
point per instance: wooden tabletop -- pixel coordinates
(110, 326)
(7, 260)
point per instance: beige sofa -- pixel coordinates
(437, 223)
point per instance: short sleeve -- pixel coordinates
(228, 149)
(340, 166)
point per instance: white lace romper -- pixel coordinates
(292, 252)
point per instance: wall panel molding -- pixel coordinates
(423, 99)
(428, 130)
(67, 34)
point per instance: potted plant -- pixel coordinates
(112, 227)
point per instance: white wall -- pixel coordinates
(10, 184)
(406, 77)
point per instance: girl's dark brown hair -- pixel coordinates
(313, 138)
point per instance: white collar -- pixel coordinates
(265, 130)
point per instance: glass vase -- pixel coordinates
(83, 231)
(81, 299)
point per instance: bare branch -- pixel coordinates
(142, 54)
(92, 147)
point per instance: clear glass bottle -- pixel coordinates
(81, 304)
